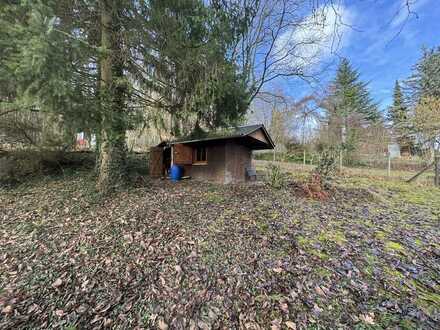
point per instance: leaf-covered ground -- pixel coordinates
(191, 255)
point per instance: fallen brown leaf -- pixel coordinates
(162, 325)
(57, 283)
(290, 325)
(59, 313)
(7, 310)
(367, 318)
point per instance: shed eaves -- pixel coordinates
(228, 133)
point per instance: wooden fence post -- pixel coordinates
(421, 172)
(437, 169)
(389, 164)
(340, 160)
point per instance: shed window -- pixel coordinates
(200, 155)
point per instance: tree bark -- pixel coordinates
(344, 130)
(112, 146)
(97, 132)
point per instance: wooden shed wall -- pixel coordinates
(238, 158)
(182, 154)
(214, 170)
(227, 163)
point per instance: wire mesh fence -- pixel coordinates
(379, 166)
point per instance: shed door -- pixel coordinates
(156, 161)
(182, 154)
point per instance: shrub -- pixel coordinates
(326, 167)
(16, 166)
(137, 163)
(276, 177)
(322, 175)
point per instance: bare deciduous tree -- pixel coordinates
(284, 38)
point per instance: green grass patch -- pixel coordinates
(381, 235)
(214, 197)
(394, 246)
(332, 236)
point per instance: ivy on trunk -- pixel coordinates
(112, 146)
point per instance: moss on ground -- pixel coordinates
(186, 255)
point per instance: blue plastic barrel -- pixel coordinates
(176, 173)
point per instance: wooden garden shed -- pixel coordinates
(223, 156)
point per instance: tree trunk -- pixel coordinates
(112, 146)
(98, 130)
(344, 130)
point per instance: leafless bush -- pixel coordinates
(27, 129)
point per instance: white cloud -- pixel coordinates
(406, 10)
(321, 34)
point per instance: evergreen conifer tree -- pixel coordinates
(425, 78)
(423, 93)
(398, 112)
(96, 62)
(350, 105)
(398, 116)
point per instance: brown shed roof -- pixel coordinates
(243, 133)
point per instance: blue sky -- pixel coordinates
(379, 51)
(382, 42)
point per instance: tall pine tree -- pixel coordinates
(95, 63)
(398, 116)
(349, 106)
(398, 112)
(423, 88)
(425, 78)
(197, 81)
